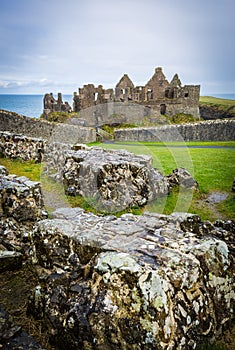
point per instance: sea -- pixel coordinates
(28, 105)
(32, 105)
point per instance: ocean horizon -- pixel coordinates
(32, 105)
(27, 105)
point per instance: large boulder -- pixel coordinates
(134, 282)
(113, 180)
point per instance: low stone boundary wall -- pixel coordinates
(222, 130)
(19, 146)
(20, 198)
(65, 133)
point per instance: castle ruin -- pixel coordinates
(98, 106)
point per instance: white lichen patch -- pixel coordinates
(109, 305)
(215, 254)
(154, 288)
(117, 261)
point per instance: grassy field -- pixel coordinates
(216, 101)
(212, 164)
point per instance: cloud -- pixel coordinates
(70, 43)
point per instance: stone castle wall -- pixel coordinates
(65, 133)
(158, 96)
(222, 130)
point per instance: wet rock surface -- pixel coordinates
(113, 180)
(134, 282)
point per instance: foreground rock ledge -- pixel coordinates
(135, 282)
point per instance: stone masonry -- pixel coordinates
(39, 128)
(157, 97)
(22, 147)
(136, 282)
(218, 130)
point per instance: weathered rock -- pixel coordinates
(10, 260)
(20, 198)
(233, 185)
(3, 170)
(181, 177)
(12, 337)
(54, 158)
(134, 282)
(113, 180)
(15, 236)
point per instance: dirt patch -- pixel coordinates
(15, 287)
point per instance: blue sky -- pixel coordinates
(57, 45)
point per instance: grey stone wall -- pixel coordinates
(54, 132)
(222, 130)
(20, 198)
(20, 146)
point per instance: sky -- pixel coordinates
(58, 46)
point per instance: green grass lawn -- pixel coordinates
(213, 168)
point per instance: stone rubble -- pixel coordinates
(181, 177)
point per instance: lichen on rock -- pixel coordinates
(152, 280)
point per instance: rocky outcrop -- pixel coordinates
(150, 281)
(216, 112)
(134, 282)
(112, 180)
